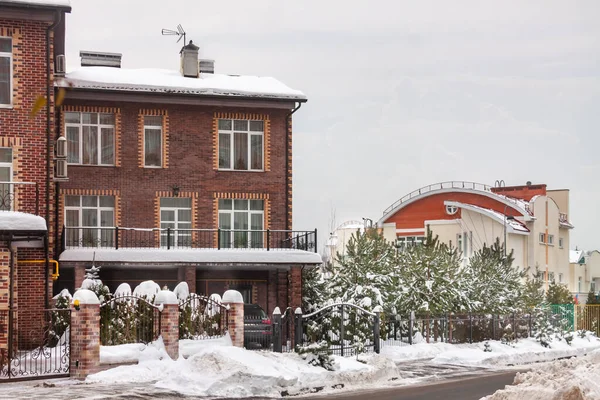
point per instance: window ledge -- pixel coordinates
(7, 106)
(241, 170)
(93, 165)
(153, 167)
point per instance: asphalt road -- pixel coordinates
(474, 387)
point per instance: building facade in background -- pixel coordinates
(531, 220)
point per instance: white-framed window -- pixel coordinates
(6, 166)
(451, 210)
(560, 242)
(176, 213)
(464, 243)
(579, 285)
(241, 145)
(542, 238)
(237, 221)
(153, 139)
(90, 138)
(90, 221)
(551, 240)
(404, 242)
(560, 278)
(551, 277)
(6, 66)
(593, 286)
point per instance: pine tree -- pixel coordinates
(533, 292)
(558, 294)
(592, 298)
(431, 278)
(495, 285)
(543, 327)
(313, 289)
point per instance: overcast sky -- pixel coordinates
(401, 94)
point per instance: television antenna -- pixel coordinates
(179, 32)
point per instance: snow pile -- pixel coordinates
(227, 371)
(148, 289)
(63, 293)
(524, 351)
(182, 291)
(133, 352)
(123, 290)
(18, 221)
(572, 379)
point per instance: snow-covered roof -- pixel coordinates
(41, 3)
(18, 221)
(575, 256)
(193, 255)
(513, 225)
(172, 82)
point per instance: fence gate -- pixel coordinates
(201, 317)
(40, 351)
(346, 328)
(129, 319)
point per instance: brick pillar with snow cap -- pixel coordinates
(235, 316)
(169, 321)
(85, 334)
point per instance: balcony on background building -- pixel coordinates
(19, 196)
(185, 239)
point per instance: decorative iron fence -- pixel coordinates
(347, 329)
(201, 317)
(169, 238)
(20, 196)
(43, 352)
(129, 319)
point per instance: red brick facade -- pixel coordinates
(85, 349)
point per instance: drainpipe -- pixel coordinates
(287, 166)
(49, 131)
(11, 287)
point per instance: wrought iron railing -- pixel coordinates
(438, 186)
(19, 196)
(169, 238)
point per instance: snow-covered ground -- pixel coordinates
(573, 379)
(525, 351)
(216, 368)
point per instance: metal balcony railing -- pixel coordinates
(169, 238)
(20, 196)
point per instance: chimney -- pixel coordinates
(207, 66)
(189, 60)
(98, 59)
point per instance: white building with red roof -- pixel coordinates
(531, 220)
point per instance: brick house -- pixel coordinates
(31, 35)
(180, 176)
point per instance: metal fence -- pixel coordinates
(201, 317)
(43, 352)
(20, 196)
(170, 238)
(129, 319)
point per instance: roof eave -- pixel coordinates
(35, 6)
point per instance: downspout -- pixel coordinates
(11, 286)
(287, 166)
(49, 131)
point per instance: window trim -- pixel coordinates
(561, 243)
(80, 126)
(249, 214)
(176, 238)
(403, 242)
(231, 134)
(542, 238)
(550, 240)
(4, 54)
(162, 139)
(10, 167)
(98, 209)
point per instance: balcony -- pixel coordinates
(20, 196)
(185, 239)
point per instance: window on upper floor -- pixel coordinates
(153, 138)
(551, 239)
(5, 176)
(560, 278)
(237, 221)
(542, 238)
(560, 242)
(579, 282)
(241, 144)
(176, 213)
(593, 286)
(89, 221)
(551, 277)
(6, 62)
(90, 138)
(402, 243)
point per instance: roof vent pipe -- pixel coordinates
(98, 59)
(189, 60)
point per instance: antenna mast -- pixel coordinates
(179, 32)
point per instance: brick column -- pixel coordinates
(295, 288)
(169, 322)
(79, 275)
(85, 334)
(235, 316)
(187, 274)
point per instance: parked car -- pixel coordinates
(257, 328)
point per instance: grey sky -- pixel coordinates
(401, 94)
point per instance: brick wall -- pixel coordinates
(169, 329)
(85, 346)
(191, 166)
